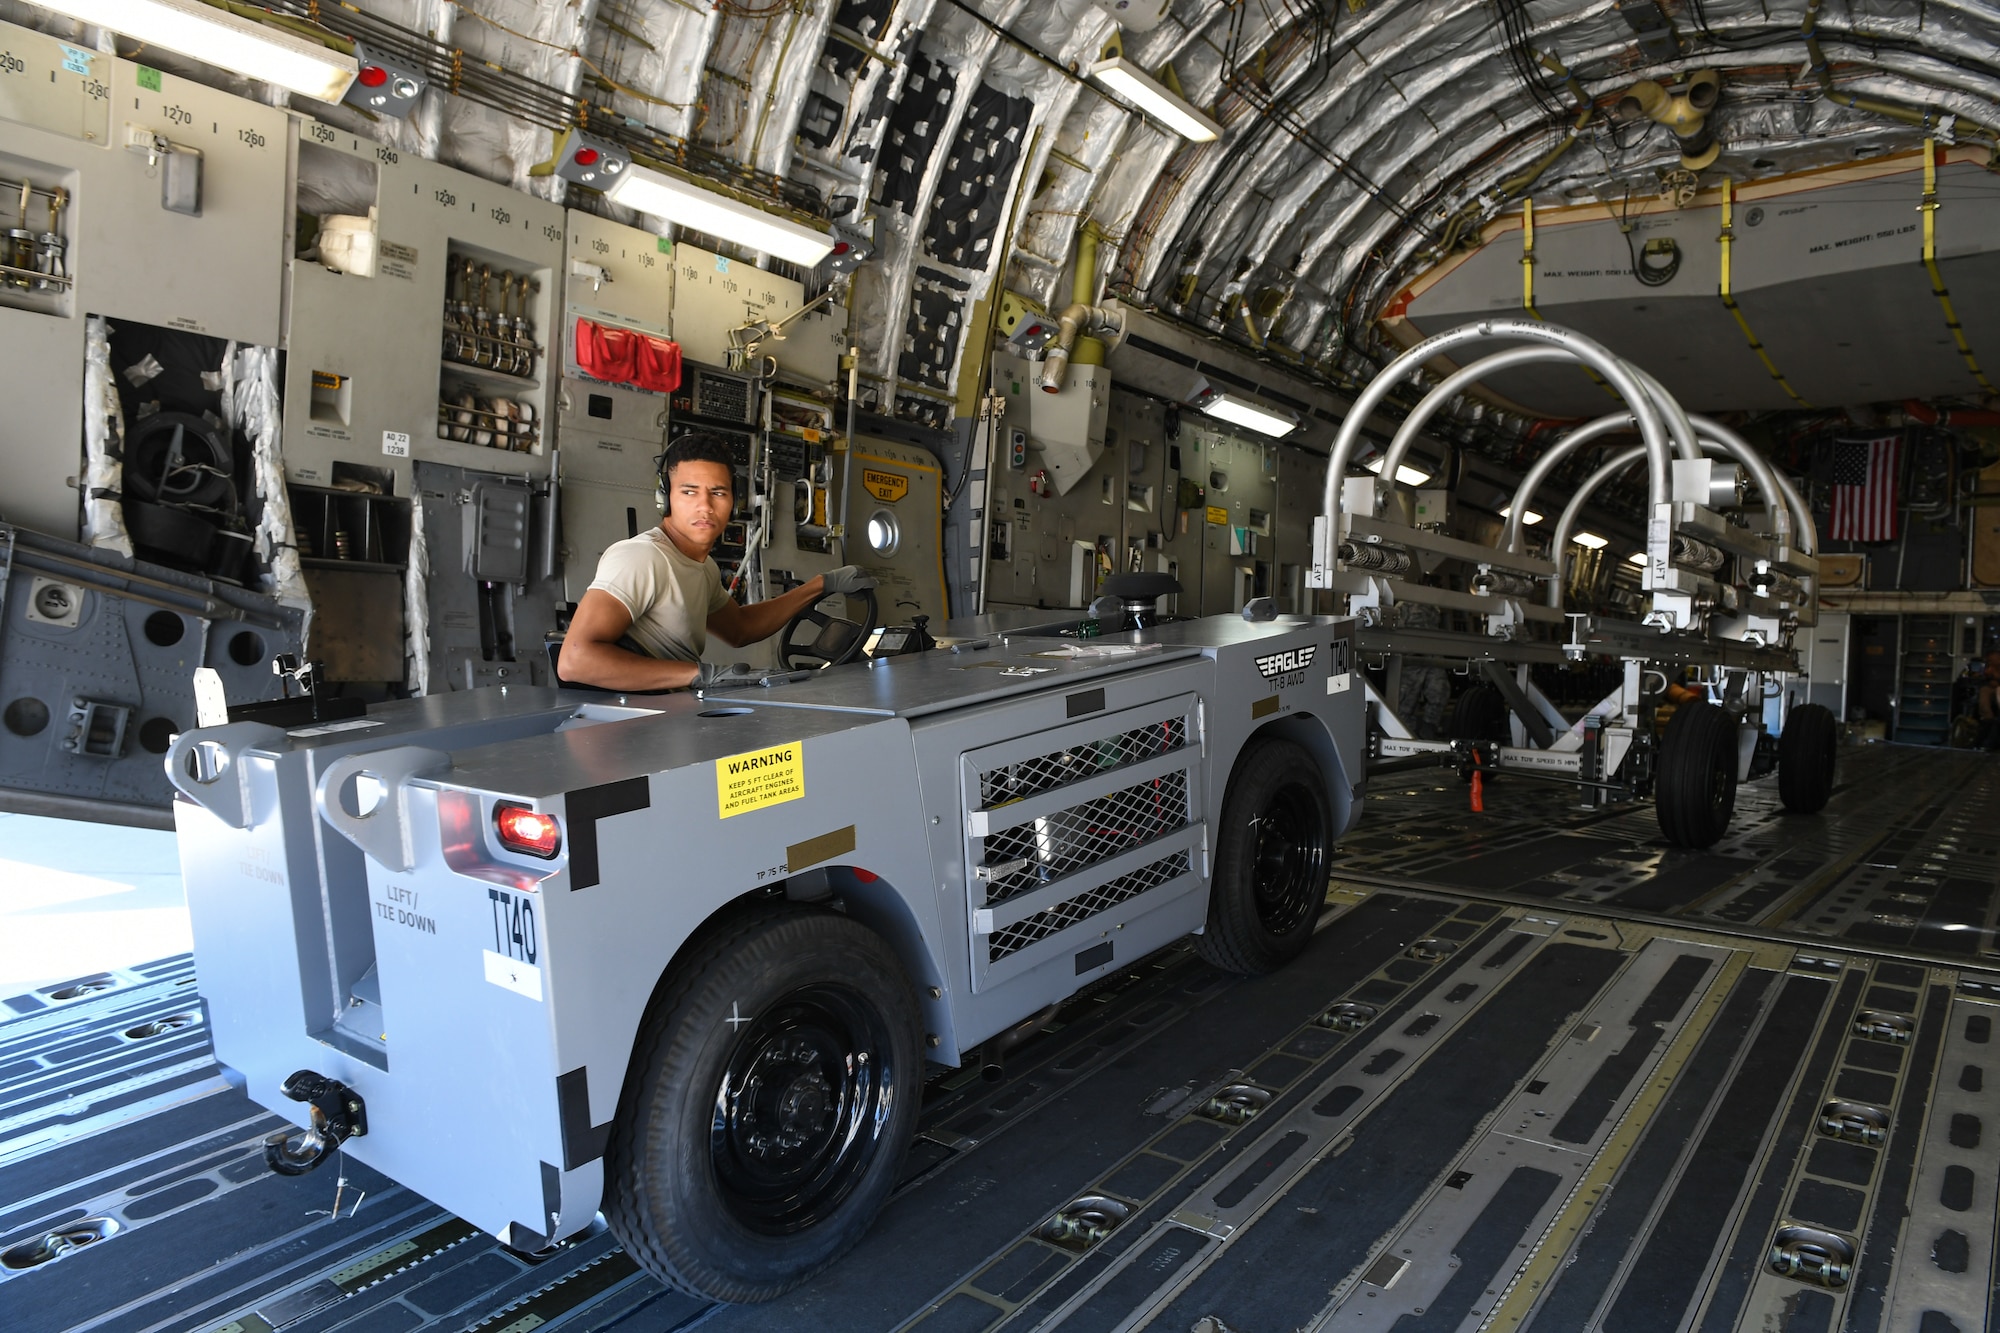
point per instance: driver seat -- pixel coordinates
(1138, 594)
(552, 644)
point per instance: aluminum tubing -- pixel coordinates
(1559, 539)
(1789, 512)
(1548, 462)
(1413, 425)
(1589, 352)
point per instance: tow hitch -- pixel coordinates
(338, 1114)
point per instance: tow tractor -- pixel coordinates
(683, 959)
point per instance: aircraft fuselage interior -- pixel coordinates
(944, 666)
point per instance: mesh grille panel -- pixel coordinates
(1088, 904)
(1086, 833)
(1045, 772)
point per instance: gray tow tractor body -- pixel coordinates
(494, 943)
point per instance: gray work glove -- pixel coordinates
(735, 676)
(848, 579)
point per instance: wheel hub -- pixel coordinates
(796, 1120)
(1287, 859)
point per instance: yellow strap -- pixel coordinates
(1528, 256)
(1728, 239)
(1929, 208)
(1528, 281)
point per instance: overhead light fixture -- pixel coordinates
(1154, 98)
(1589, 539)
(1409, 476)
(224, 39)
(1636, 558)
(689, 205)
(1239, 410)
(604, 166)
(1528, 520)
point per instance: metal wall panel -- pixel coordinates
(217, 273)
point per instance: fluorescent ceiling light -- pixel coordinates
(243, 46)
(1636, 558)
(1589, 539)
(1409, 476)
(1151, 96)
(1528, 520)
(1238, 410)
(689, 205)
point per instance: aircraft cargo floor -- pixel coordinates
(1538, 1071)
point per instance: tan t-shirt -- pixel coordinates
(670, 596)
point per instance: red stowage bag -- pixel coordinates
(604, 353)
(657, 363)
(626, 356)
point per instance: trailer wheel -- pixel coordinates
(1271, 854)
(772, 1094)
(1807, 750)
(1695, 784)
(1480, 714)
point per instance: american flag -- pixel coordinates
(1864, 489)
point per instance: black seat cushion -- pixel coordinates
(1141, 587)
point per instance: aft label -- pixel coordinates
(758, 778)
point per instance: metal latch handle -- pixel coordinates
(1000, 870)
(384, 831)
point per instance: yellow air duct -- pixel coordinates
(1684, 112)
(1083, 287)
(1077, 323)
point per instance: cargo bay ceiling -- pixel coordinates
(1375, 159)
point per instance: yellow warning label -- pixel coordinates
(1218, 516)
(760, 778)
(888, 487)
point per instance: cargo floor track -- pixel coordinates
(1538, 1071)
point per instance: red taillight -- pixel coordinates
(525, 830)
(586, 157)
(841, 247)
(372, 76)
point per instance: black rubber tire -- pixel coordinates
(1272, 851)
(1695, 787)
(1808, 749)
(205, 465)
(168, 535)
(1480, 714)
(752, 1004)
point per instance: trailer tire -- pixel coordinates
(1808, 749)
(1271, 854)
(1480, 714)
(1695, 786)
(771, 1096)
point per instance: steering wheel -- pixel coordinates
(833, 640)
